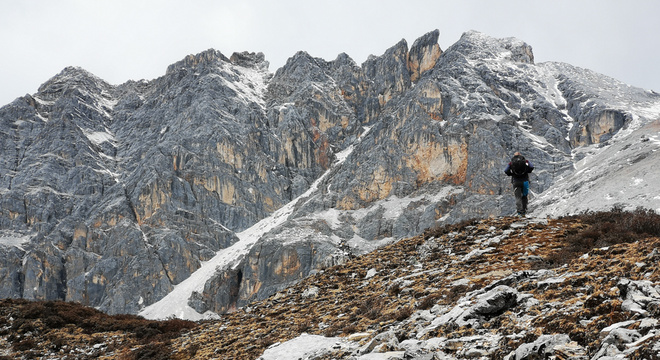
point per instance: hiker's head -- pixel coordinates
(516, 153)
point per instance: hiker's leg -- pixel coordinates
(525, 192)
(517, 191)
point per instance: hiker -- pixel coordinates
(519, 169)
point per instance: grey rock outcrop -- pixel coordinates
(11, 258)
(541, 348)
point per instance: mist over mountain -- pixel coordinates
(112, 196)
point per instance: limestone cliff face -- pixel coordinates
(125, 190)
(439, 127)
(112, 195)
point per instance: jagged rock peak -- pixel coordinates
(397, 54)
(305, 57)
(424, 54)
(73, 78)
(398, 48)
(303, 72)
(250, 59)
(477, 45)
(73, 75)
(428, 39)
(520, 50)
(299, 69)
(72, 72)
(343, 59)
(209, 56)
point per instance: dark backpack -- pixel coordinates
(518, 165)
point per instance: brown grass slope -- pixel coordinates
(434, 269)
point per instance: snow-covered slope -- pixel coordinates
(622, 170)
(623, 173)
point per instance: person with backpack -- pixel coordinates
(519, 169)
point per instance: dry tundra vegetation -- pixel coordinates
(343, 301)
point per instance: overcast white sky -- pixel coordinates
(119, 40)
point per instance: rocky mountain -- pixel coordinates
(579, 287)
(112, 196)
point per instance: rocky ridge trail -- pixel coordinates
(581, 287)
(483, 289)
